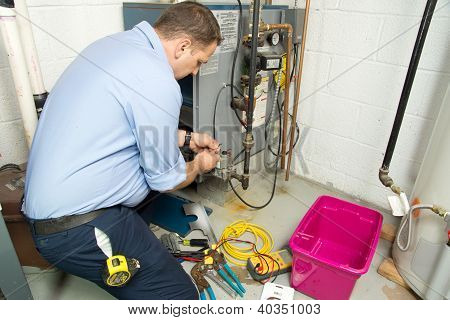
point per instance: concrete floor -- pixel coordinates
(291, 201)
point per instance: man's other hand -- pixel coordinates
(207, 160)
(203, 142)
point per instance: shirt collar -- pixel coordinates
(153, 38)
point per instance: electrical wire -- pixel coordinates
(258, 207)
(238, 155)
(216, 103)
(279, 82)
(274, 261)
(215, 110)
(261, 257)
(297, 129)
(236, 52)
(277, 75)
(295, 61)
(238, 44)
(240, 120)
(297, 135)
(234, 253)
(239, 255)
(277, 155)
(275, 175)
(294, 65)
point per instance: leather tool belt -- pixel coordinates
(49, 226)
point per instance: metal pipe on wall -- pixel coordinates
(297, 89)
(13, 46)
(412, 68)
(31, 56)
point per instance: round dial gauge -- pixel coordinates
(274, 38)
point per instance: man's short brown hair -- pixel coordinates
(190, 19)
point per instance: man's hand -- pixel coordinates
(206, 160)
(203, 142)
(207, 150)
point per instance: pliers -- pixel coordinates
(197, 273)
(213, 266)
(222, 268)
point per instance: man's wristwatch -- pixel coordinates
(187, 140)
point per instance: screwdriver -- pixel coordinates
(195, 242)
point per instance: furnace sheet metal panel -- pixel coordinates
(200, 92)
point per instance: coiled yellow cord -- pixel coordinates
(239, 255)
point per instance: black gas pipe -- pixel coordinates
(414, 62)
(248, 139)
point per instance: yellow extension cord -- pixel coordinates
(239, 255)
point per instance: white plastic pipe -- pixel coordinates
(29, 47)
(13, 46)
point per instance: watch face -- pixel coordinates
(275, 38)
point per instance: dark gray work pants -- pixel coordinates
(75, 251)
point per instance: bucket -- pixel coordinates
(332, 247)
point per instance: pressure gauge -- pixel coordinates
(274, 38)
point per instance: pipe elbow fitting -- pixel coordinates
(245, 181)
(387, 181)
(383, 175)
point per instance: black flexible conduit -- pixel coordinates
(414, 62)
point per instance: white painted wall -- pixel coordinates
(62, 28)
(356, 59)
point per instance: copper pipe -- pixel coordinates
(297, 90)
(287, 83)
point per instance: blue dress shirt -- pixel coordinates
(108, 132)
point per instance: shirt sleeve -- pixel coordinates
(153, 112)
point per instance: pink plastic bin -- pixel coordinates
(332, 247)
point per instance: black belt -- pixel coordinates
(49, 226)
